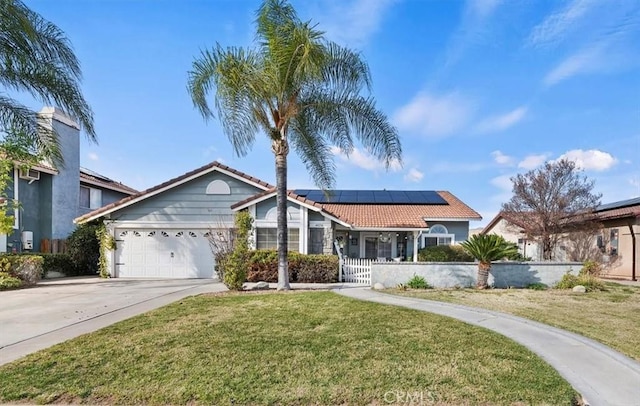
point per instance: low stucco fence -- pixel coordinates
(464, 274)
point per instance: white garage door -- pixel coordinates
(163, 253)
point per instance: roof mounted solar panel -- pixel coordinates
(373, 196)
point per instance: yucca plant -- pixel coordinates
(487, 248)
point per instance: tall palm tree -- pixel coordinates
(301, 90)
(486, 248)
(36, 58)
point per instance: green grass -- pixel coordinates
(287, 348)
(610, 317)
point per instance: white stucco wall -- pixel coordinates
(463, 274)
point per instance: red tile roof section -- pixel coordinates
(401, 215)
(169, 183)
(385, 215)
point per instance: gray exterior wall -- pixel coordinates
(464, 274)
(189, 202)
(315, 216)
(263, 207)
(35, 211)
(108, 196)
(65, 187)
(459, 228)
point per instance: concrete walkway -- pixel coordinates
(601, 375)
(58, 310)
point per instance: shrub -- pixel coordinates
(590, 282)
(26, 267)
(303, 268)
(418, 282)
(235, 265)
(592, 268)
(444, 253)
(9, 282)
(537, 286)
(61, 263)
(83, 247)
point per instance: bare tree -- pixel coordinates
(550, 202)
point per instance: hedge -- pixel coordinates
(263, 266)
(444, 253)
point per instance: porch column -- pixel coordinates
(304, 230)
(415, 246)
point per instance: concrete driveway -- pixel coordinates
(57, 310)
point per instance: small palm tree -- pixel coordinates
(300, 90)
(487, 248)
(36, 58)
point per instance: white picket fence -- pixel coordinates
(356, 270)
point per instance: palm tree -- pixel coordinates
(487, 248)
(36, 58)
(301, 90)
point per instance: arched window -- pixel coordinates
(292, 214)
(218, 187)
(438, 229)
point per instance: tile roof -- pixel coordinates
(91, 177)
(384, 215)
(401, 215)
(168, 184)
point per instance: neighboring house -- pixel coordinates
(50, 198)
(165, 231)
(617, 240)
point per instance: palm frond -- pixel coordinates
(19, 121)
(314, 152)
(36, 57)
(489, 247)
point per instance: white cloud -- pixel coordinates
(414, 175)
(532, 161)
(591, 159)
(557, 24)
(482, 8)
(352, 22)
(434, 116)
(93, 156)
(588, 60)
(364, 160)
(501, 159)
(503, 121)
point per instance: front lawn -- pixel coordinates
(611, 317)
(287, 348)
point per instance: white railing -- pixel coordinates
(356, 270)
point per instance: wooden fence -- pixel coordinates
(53, 246)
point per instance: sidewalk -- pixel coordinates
(601, 375)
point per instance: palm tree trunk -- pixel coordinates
(281, 149)
(483, 275)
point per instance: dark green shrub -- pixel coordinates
(61, 263)
(537, 286)
(9, 282)
(418, 282)
(444, 253)
(312, 268)
(83, 248)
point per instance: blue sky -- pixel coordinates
(479, 90)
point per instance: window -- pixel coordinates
(90, 198)
(438, 235)
(375, 247)
(267, 238)
(613, 242)
(316, 240)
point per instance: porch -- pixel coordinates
(387, 245)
